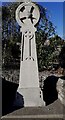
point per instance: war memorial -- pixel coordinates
(29, 103)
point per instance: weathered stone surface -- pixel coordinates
(61, 90)
(38, 113)
(29, 88)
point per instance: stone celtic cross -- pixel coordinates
(27, 16)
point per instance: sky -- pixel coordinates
(55, 10)
(34, 0)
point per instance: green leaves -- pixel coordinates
(48, 55)
(11, 35)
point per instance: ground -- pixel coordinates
(54, 110)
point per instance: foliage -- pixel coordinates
(47, 54)
(62, 57)
(10, 34)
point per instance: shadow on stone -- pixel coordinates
(9, 94)
(50, 93)
(19, 101)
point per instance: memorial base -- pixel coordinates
(31, 97)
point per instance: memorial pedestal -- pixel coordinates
(31, 96)
(29, 84)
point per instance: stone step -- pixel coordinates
(34, 117)
(50, 112)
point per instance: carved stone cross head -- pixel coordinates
(27, 14)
